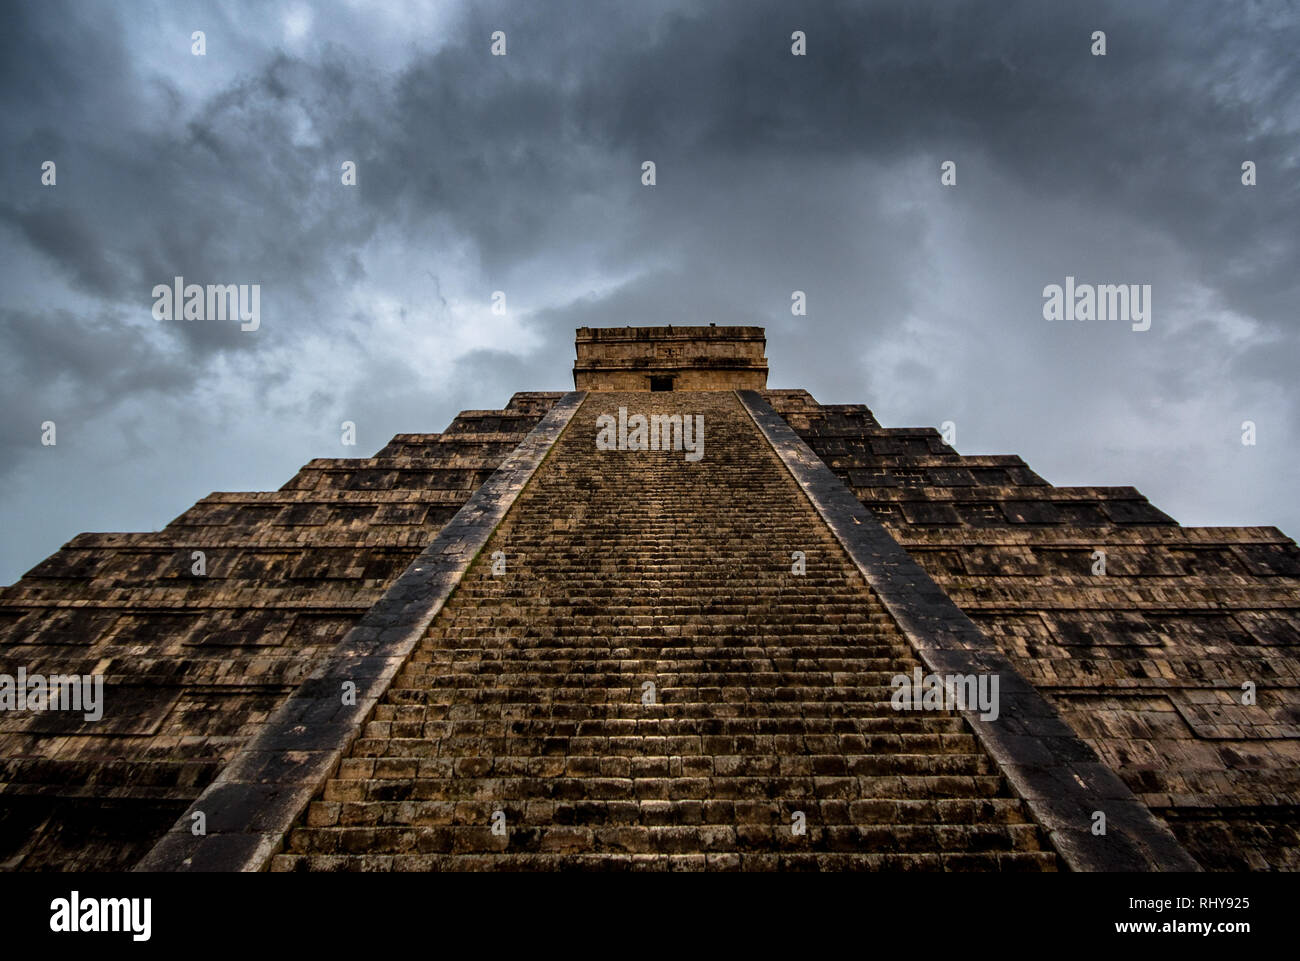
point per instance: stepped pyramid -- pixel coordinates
(518, 646)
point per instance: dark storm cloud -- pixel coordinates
(54, 364)
(502, 146)
(775, 173)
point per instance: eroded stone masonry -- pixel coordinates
(614, 657)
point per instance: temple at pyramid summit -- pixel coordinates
(551, 637)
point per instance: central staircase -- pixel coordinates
(648, 684)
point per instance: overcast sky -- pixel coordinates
(522, 173)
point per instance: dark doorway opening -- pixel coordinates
(661, 383)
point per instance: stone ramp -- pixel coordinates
(195, 662)
(1145, 657)
(525, 702)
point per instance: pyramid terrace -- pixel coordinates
(507, 647)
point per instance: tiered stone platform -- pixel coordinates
(504, 718)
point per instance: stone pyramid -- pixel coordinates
(670, 620)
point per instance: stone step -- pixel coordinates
(768, 862)
(910, 839)
(879, 811)
(772, 692)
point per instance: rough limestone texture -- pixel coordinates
(675, 358)
(194, 664)
(526, 694)
(1145, 661)
(649, 685)
(267, 785)
(1048, 765)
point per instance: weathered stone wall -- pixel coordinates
(194, 664)
(1146, 661)
(525, 703)
(696, 358)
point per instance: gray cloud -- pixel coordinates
(521, 174)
